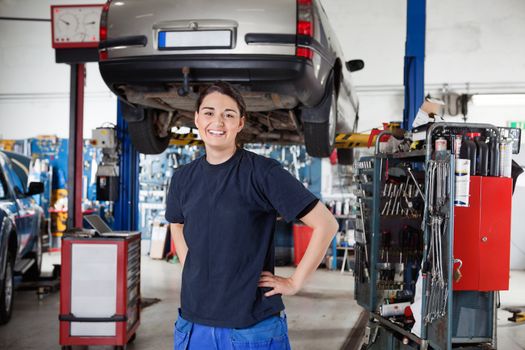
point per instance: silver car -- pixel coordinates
(281, 54)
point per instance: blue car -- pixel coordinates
(21, 228)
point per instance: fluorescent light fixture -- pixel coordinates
(499, 100)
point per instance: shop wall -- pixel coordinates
(34, 90)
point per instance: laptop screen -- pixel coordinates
(97, 223)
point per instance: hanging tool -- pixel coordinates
(365, 268)
(438, 196)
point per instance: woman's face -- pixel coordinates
(219, 121)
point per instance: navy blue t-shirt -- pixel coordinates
(229, 212)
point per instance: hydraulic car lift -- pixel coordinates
(518, 315)
(126, 208)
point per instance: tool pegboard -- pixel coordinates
(389, 238)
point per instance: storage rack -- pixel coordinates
(440, 318)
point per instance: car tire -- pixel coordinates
(319, 138)
(34, 271)
(144, 135)
(7, 291)
(345, 156)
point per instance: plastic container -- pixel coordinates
(457, 145)
(493, 156)
(505, 158)
(469, 151)
(462, 183)
(482, 167)
(440, 148)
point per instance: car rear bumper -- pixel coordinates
(287, 75)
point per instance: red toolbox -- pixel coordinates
(482, 235)
(100, 289)
(301, 238)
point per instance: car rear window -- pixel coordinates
(14, 180)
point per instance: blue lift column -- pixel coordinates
(126, 208)
(414, 73)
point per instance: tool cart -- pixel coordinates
(433, 238)
(100, 289)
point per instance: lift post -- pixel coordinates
(414, 71)
(126, 208)
(76, 125)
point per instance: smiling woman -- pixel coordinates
(222, 208)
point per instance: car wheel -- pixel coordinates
(34, 271)
(345, 156)
(319, 138)
(7, 291)
(145, 137)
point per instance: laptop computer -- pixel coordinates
(103, 229)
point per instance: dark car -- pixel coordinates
(281, 54)
(21, 228)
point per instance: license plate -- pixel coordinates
(206, 39)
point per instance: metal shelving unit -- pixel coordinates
(439, 323)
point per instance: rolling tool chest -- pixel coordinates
(100, 289)
(433, 239)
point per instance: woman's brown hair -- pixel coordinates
(224, 88)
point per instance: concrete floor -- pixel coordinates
(320, 317)
(511, 336)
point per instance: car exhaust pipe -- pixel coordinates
(185, 88)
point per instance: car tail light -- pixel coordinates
(305, 25)
(103, 33)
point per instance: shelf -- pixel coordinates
(345, 216)
(366, 170)
(87, 211)
(411, 154)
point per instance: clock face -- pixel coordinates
(75, 26)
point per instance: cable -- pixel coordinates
(25, 19)
(517, 247)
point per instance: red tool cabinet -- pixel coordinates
(100, 289)
(482, 235)
(301, 238)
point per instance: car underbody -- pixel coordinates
(271, 117)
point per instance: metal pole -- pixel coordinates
(126, 209)
(75, 146)
(414, 71)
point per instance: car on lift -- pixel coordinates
(21, 228)
(282, 55)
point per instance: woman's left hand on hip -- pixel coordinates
(280, 285)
